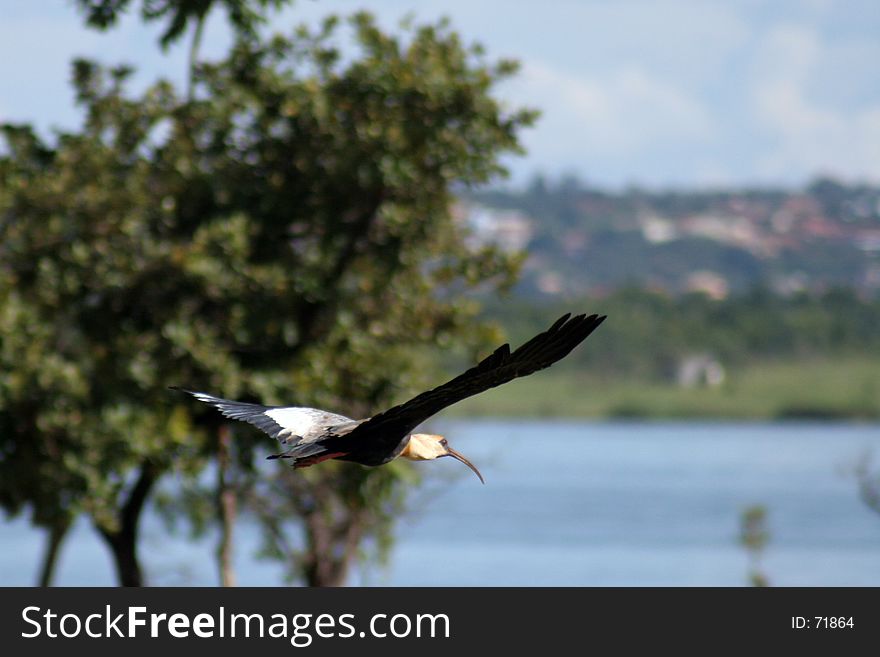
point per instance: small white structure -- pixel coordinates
(700, 370)
(511, 230)
(710, 283)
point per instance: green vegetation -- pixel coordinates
(282, 231)
(846, 388)
(807, 356)
(754, 536)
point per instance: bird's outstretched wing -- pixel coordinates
(290, 425)
(500, 367)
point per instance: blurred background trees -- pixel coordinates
(754, 536)
(281, 232)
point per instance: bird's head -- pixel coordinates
(427, 447)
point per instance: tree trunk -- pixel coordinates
(54, 537)
(226, 507)
(194, 55)
(330, 549)
(123, 540)
(318, 562)
(123, 545)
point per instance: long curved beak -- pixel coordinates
(460, 457)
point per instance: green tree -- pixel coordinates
(754, 536)
(868, 480)
(284, 234)
(245, 17)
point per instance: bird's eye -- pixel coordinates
(444, 442)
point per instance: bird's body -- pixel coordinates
(312, 435)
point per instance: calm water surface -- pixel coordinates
(577, 504)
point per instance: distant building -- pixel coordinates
(795, 242)
(700, 370)
(550, 283)
(726, 229)
(709, 283)
(656, 229)
(511, 230)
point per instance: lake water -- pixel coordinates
(577, 504)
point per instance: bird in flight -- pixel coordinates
(312, 436)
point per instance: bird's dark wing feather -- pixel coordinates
(500, 367)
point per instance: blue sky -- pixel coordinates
(681, 93)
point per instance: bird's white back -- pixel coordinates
(301, 421)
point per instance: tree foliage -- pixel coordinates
(285, 235)
(757, 327)
(245, 16)
(754, 537)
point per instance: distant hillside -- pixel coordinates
(583, 241)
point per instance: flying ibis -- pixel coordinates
(311, 435)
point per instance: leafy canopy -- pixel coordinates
(286, 234)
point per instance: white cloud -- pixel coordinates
(805, 132)
(672, 92)
(616, 116)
